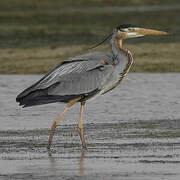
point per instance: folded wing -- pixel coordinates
(80, 76)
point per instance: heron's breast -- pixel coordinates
(121, 68)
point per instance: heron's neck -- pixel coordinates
(119, 43)
(123, 57)
(116, 46)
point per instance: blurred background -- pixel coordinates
(36, 34)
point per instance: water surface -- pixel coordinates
(131, 133)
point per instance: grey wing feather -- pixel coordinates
(81, 74)
(83, 82)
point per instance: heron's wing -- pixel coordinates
(78, 75)
(82, 82)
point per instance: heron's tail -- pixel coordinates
(32, 98)
(39, 97)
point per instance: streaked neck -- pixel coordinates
(116, 46)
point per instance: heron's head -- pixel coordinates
(126, 31)
(130, 31)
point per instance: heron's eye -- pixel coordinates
(130, 29)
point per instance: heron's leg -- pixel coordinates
(54, 125)
(80, 125)
(81, 163)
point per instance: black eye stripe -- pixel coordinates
(125, 26)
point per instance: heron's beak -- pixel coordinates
(143, 32)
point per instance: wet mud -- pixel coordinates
(131, 133)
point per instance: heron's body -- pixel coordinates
(80, 78)
(64, 82)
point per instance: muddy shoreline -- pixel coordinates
(131, 133)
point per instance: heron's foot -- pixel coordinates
(84, 147)
(49, 152)
(53, 127)
(48, 147)
(80, 131)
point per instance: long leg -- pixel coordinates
(81, 163)
(54, 125)
(80, 125)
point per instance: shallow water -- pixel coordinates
(132, 132)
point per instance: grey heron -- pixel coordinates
(83, 77)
